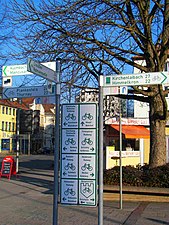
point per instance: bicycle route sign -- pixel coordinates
(136, 79)
(27, 92)
(79, 154)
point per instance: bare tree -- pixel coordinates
(103, 36)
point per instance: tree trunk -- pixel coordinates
(157, 131)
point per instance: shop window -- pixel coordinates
(127, 144)
(14, 144)
(5, 144)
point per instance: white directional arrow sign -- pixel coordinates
(26, 92)
(20, 70)
(136, 79)
(41, 70)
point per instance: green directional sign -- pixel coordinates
(136, 79)
(20, 70)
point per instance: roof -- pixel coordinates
(13, 104)
(28, 101)
(48, 107)
(133, 131)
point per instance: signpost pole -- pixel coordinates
(57, 144)
(120, 129)
(17, 140)
(100, 207)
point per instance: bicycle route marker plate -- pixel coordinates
(70, 116)
(69, 192)
(87, 192)
(79, 154)
(87, 166)
(69, 166)
(87, 116)
(70, 140)
(87, 141)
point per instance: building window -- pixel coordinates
(13, 126)
(128, 144)
(7, 110)
(6, 126)
(9, 126)
(2, 125)
(13, 112)
(3, 110)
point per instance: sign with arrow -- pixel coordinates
(136, 79)
(79, 154)
(20, 70)
(41, 70)
(26, 92)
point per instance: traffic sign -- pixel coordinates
(136, 79)
(41, 70)
(79, 154)
(26, 92)
(19, 70)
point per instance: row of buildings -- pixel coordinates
(31, 123)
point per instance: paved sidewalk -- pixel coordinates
(28, 200)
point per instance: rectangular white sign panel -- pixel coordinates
(20, 70)
(136, 79)
(41, 70)
(26, 92)
(79, 154)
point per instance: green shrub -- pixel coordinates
(156, 177)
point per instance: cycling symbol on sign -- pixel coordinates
(86, 189)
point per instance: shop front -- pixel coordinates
(135, 145)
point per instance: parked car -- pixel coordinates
(44, 150)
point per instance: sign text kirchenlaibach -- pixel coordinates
(137, 79)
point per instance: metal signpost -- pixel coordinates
(21, 92)
(57, 144)
(100, 207)
(111, 86)
(79, 154)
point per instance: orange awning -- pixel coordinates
(133, 131)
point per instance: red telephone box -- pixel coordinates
(8, 167)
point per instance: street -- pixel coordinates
(28, 200)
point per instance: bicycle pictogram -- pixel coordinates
(87, 166)
(87, 141)
(87, 190)
(69, 191)
(87, 116)
(70, 166)
(70, 116)
(70, 141)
